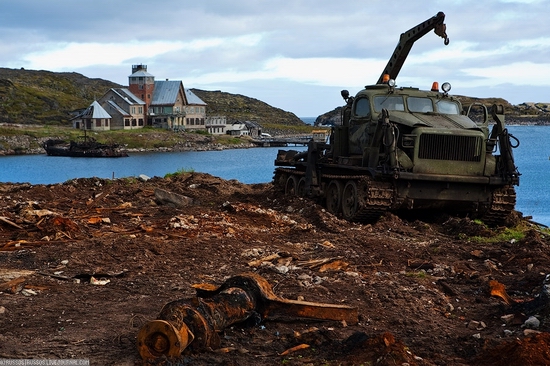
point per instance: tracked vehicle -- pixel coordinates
(402, 149)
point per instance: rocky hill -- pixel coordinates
(242, 108)
(45, 97)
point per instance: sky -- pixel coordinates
(296, 55)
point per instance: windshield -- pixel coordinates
(362, 107)
(447, 107)
(391, 103)
(422, 105)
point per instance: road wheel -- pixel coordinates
(301, 189)
(280, 180)
(350, 202)
(291, 186)
(334, 197)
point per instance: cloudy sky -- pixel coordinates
(292, 54)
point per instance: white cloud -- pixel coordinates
(317, 71)
(70, 56)
(517, 73)
(79, 55)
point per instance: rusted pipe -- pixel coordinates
(194, 323)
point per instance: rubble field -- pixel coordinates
(84, 265)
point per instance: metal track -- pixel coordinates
(503, 203)
(374, 199)
(377, 197)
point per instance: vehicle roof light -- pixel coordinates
(435, 86)
(446, 87)
(385, 78)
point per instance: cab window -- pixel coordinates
(391, 103)
(362, 107)
(421, 105)
(447, 107)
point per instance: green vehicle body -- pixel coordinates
(407, 150)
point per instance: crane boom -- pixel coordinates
(408, 38)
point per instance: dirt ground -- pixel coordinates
(422, 288)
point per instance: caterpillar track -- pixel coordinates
(502, 204)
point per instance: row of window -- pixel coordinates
(142, 79)
(397, 103)
(194, 121)
(133, 122)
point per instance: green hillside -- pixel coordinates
(44, 97)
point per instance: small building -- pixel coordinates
(237, 128)
(195, 111)
(93, 118)
(216, 125)
(254, 129)
(126, 109)
(246, 128)
(320, 135)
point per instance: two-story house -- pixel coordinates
(126, 110)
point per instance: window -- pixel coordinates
(140, 121)
(447, 107)
(140, 110)
(133, 122)
(422, 105)
(391, 103)
(98, 122)
(126, 122)
(362, 107)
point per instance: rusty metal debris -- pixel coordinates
(498, 290)
(193, 323)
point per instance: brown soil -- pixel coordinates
(422, 289)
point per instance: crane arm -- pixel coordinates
(407, 39)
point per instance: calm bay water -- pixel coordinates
(256, 166)
(253, 165)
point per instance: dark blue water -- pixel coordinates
(256, 166)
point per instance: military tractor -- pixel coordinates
(402, 149)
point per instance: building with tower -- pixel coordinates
(156, 103)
